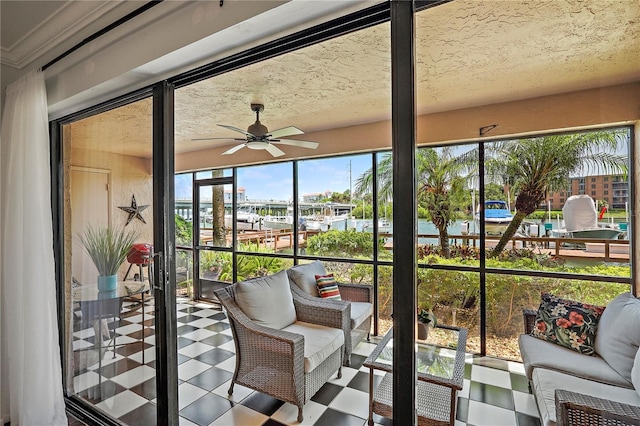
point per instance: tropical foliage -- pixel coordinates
(537, 166)
(348, 243)
(440, 183)
(184, 231)
(220, 264)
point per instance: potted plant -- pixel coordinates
(426, 320)
(108, 249)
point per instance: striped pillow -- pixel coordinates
(327, 287)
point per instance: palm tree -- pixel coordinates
(439, 184)
(217, 203)
(544, 164)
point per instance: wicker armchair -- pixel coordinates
(355, 330)
(272, 361)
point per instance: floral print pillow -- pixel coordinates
(567, 323)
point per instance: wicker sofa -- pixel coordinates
(356, 298)
(284, 348)
(576, 389)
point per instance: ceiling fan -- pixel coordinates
(257, 136)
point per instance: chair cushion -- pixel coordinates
(304, 276)
(327, 287)
(267, 300)
(319, 342)
(360, 311)
(619, 335)
(567, 323)
(545, 382)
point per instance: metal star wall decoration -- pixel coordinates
(134, 210)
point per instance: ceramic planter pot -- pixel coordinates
(107, 283)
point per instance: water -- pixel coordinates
(425, 227)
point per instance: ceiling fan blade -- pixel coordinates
(286, 131)
(211, 139)
(234, 149)
(294, 142)
(235, 129)
(274, 150)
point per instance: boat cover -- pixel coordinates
(579, 212)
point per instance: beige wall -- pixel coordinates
(576, 110)
(129, 176)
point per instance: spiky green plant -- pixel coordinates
(107, 247)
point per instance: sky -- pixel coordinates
(275, 181)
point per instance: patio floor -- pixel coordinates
(495, 391)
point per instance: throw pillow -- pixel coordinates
(327, 287)
(567, 323)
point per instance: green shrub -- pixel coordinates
(349, 243)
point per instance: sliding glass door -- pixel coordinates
(115, 265)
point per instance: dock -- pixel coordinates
(274, 239)
(563, 248)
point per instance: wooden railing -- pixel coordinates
(612, 250)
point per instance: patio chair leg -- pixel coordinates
(230, 392)
(340, 372)
(300, 417)
(369, 337)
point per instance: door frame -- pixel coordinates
(197, 247)
(164, 254)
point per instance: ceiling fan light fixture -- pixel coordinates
(257, 145)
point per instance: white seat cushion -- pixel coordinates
(319, 342)
(539, 353)
(545, 382)
(360, 311)
(267, 300)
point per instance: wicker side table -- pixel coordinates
(440, 377)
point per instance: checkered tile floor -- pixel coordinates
(495, 391)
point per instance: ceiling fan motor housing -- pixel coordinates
(258, 129)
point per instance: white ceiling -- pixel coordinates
(33, 32)
(469, 53)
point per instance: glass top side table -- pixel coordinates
(440, 371)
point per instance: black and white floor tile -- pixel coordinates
(495, 391)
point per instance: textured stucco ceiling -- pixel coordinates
(469, 53)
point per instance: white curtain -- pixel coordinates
(30, 349)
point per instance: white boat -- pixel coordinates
(581, 221)
(245, 219)
(384, 226)
(497, 217)
(278, 222)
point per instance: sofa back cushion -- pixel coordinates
(267, 300)
(304, 276)
(618, 336)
